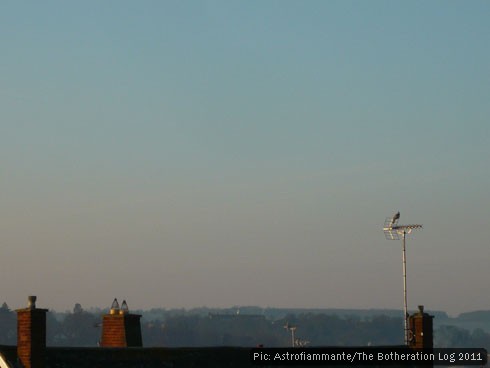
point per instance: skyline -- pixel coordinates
(217, 153)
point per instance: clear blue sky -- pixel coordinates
(220, 153)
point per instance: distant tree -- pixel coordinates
(77, 309)
(8, 326)
(77, 329)
(452, 337)
(480, 339)
(181, 331)
(154, 333)
(54, 333)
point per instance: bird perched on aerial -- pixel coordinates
(395, 218)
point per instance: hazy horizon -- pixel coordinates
(181, 154)
(250, 309)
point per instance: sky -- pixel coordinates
(231, 153)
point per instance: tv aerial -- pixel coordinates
(291, 329)
(393, 231)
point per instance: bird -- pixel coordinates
(395, 218)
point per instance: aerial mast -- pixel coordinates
(291, 328)
(392, 232)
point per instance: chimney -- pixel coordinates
(121, 328)
(31, 335)
(421, 326)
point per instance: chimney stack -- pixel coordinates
(421, 326)
(31, 335)
(121, 328)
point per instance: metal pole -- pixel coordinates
(292, 337)
(405, 309)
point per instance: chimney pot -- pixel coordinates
(31, 302)
(124, 308)
(114, 307)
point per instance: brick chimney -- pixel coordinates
(421, 326)
(31, 335)
(121, 328)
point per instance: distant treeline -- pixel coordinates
(233, 327)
